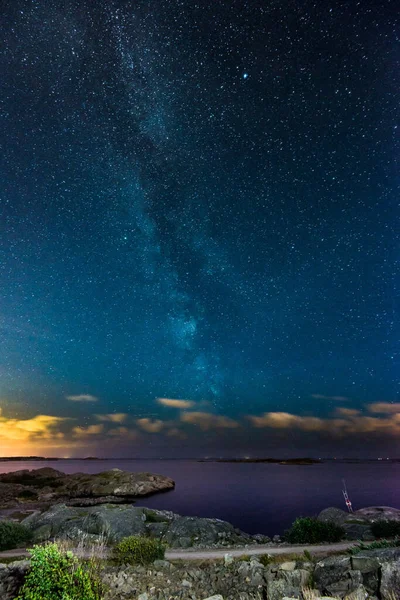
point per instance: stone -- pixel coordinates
(162, 564)
(335, 576)
(364, 562)
(287, 566)
(215, 597)
(390, 581)
(228, 559)
(358, 594)
(276, 539)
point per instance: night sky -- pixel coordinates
(199, 228)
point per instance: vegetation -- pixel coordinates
(58, 575)
(307, 530)
(385, 529)
(13, 535)
(379, 544)
(138, 550)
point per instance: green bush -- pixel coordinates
(138, 550)
(13, 534)
(307, 530)
(57, 575)
(385, 529)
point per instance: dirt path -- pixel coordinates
(216, 553)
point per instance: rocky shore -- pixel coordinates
(99, 509)
(370, 575)
(48, 486)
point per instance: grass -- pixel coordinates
(6, 560)
(377, 545)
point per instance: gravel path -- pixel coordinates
(194, 554)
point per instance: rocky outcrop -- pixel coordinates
(115, 521)
(49, 485)
(357, 525)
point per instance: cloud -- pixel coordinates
(387, 408)
(208, 421)
(352, 422)
(87, 431)
(347, 412)
(176, 403)
(124, 433)
(82, 398)
(151, 426)
(39, 427)
(283, 420)
(177, 433)
(334, 398)
(112, 417)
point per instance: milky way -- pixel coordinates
(199, 202)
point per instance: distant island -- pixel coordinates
(280, 461)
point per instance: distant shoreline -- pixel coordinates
(281, 461)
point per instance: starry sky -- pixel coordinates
(199, 228)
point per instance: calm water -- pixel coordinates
(258, 498)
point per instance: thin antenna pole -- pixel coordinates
(346, 497)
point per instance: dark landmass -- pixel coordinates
(285, 461)
(280, 461)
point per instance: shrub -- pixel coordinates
(56, 575)
(28, 494)
(385, 529)
(13, 535)
(307, 530)
(138, 550)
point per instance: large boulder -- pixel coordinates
(115, 521)
(48, 485)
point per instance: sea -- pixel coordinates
(256, 497)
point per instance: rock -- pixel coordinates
(11, 578)
(115, 521)
(49, 485)
(377, 513)
(357, 525)
(66, 522)
(287, 566)
(276, 539)
(334, 515)
(364, 562)
(228, 559)
(216, 597)
(357, 531)
(335, 576)
(390, 581)
(184, 532)
(288, 583)
(259, 538)
(162, 564)
(36, 477)
(359, 594)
